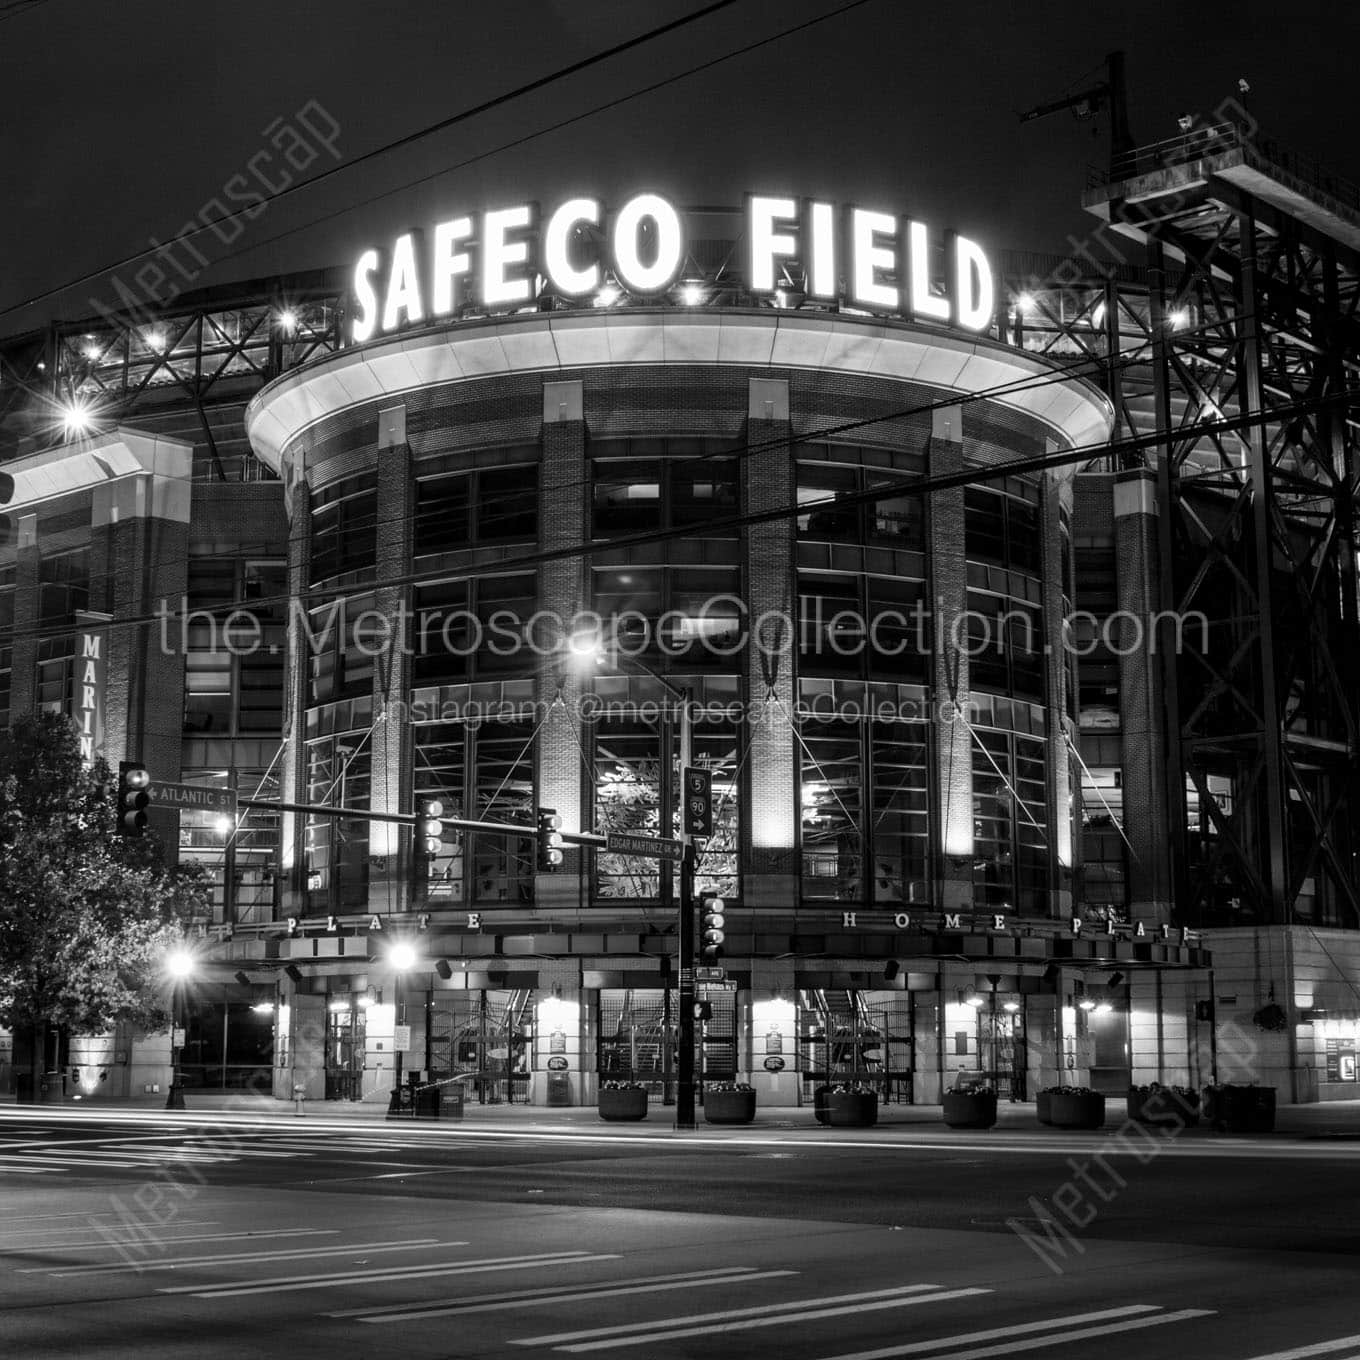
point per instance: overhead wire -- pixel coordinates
(409, 139)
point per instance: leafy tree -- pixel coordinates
(86, 916)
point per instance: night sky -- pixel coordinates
(121, 121)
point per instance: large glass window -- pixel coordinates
(865, 811)
(441, 773)
(470, 630)
(345, 528)
(342, 649)
(502, 866)
(681, 617)
(865, 626)
(1010, 845)
(1006, 645)
(63, 586)
(644, 484)
(1002, 526)
(339, 774)
(489, 505)
(828, 513)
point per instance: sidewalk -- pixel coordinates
(1333, 1120)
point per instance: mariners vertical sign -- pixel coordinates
(89, 683)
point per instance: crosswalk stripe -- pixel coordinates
(1319, 1348)
(287, 1254)
(108, 1239)
(386, 1275)
(513, 1295)
(582, 1295)
(664, 1327)
(1122, 1320)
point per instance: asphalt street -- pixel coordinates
(206, 1235)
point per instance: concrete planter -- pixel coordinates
(852, 1109)
(624, 1104)
(970, 1109)
(1163, 1106)
(729, 1107)
(1080, 1110)
(1240, 1109)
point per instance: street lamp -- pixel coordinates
(180, 965)
(590, 645)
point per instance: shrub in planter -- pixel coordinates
(729, 1102)
(623, 1100)
(1072, 1107)
(852, 1108)
(1240, 1109)
(1168, 1106)
(970, 1107)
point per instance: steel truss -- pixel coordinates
(1252, 315)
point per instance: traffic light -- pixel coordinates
(549, 840)
(133, 796)
(6, 495)
(698, 802)
(429, 829)
(711, 923)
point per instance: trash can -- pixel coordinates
(452, 1100)
(23, 1088)
(426, 1103)
(559, 1089)
(52, 1088)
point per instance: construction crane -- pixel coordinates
(1109, 94)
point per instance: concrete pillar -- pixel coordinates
(292, 764)
(390, 843)
(927, 1019)
(1141, 679)
(952, 792)
(1060, 724)
(563, 590)
(23, 676)
(770, 874)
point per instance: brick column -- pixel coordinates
(292, 764)
(770, 874)
(139, 534)
(562, 590)
(1137, 584)
(23, 677)
(390, 844)
(1062, 730)
(952, 783)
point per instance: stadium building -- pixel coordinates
(1008, 606)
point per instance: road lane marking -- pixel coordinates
(285, 1254)
(388, 1274)
(1126, 1320)
(1319, 1348)
(776, 1320)
(585, 1294)
(106, 1238)
(735, 1319)
(513, 1295)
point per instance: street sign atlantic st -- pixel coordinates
(162, 793)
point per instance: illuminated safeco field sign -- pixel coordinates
(874, 260)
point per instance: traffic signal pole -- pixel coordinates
(684, 1085)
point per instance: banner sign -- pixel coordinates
(89, 683)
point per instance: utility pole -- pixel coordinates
(684, 1093)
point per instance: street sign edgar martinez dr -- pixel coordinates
(164, 794)
(624, 843)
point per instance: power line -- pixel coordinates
(480, 156)
(745, 450)
(531, 87)
(919, 486)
